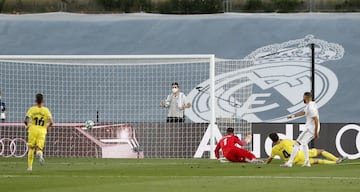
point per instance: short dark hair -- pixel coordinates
(274, 137)
(309, 94)
(230, 130)
(39, 98)
(175, 83)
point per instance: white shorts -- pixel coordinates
(311, 128)
(305, 137)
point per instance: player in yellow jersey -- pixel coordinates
(38, 121)
(284, 147)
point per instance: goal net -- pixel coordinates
(122, 95)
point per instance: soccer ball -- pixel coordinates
(89, 124)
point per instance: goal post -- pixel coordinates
(212, 124)
(121, 93)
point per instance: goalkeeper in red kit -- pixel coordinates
(231, 151)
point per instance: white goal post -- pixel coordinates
(121, 93)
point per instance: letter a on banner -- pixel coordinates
(205, 141)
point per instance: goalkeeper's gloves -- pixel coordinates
(248, 138)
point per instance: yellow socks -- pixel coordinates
(329, 156)
(327, 162)
(30, 157)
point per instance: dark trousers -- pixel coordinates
(175, 119)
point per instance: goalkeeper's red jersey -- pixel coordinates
(227, 143)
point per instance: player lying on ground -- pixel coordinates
(38, 121)
(283, 148)
(231, 151)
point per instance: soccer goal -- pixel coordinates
(127, 98)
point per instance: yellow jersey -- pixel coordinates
(39, 116)
(283, 149)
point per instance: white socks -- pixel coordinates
(293, 153)
(306, 154)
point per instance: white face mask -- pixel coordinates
(174, 90)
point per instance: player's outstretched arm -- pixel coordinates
(269, 160)
(243, 143)
(248, 138)
(301, 113)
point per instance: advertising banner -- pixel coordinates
(341, 139)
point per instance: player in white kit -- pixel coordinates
(311, 132)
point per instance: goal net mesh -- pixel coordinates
(233, 88)
(122, 96)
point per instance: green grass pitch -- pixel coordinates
(163, 175)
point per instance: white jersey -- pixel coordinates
(311, 110)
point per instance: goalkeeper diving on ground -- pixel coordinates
(230, 146)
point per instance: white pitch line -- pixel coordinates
(103, 163)
(292, 177)
(130, 163)
(181, 177)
